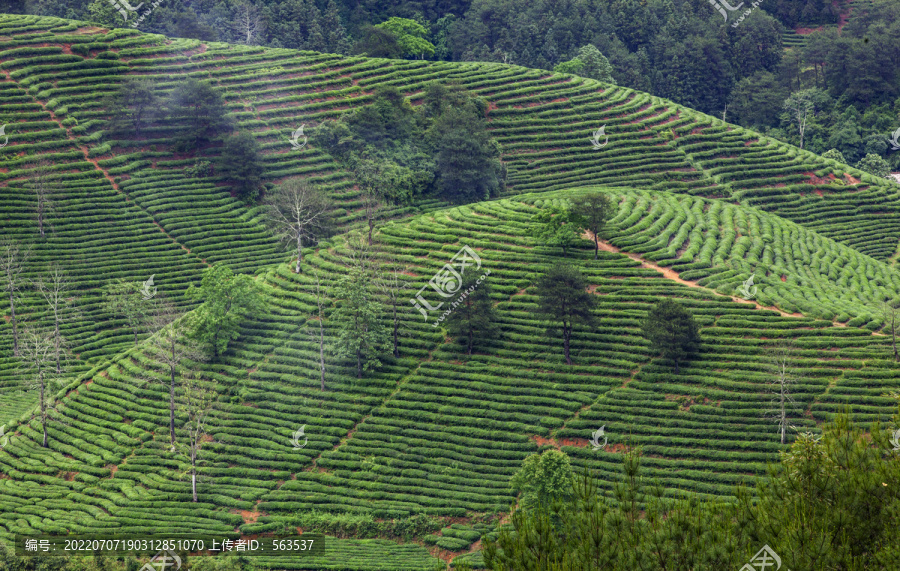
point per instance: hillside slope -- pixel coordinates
(702, 206)
(57, 72)
(439, 432)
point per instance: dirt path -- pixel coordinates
(673, 275)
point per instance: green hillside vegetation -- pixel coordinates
(427, 440)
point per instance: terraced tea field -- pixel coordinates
(702, 206)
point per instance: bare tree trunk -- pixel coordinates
(299, 252)
(322, 352)
(56, 341)
(12, 314)
(43, 405)
(358, 364)
(172, 409)
(596, 246)
(194, 473)
(567, 333)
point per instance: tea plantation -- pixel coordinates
(435, 431)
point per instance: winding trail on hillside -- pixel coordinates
(671, 274)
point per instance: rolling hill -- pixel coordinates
(702, 206)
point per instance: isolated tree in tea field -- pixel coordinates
(198, 397)
(543, 479)
(199, 111)
(132, 107)
(368, 174)
(42, 184)
(37, 355)
(593, 212)
(563, 300)
(360, 330)
(241, 165)
(123, 299)
(558, 226)
(672, 331)
(392, 281)
(474, 319)
(56, 289)
(875, 165)
(172, 347)
(226, 300)
(12, 262)
(783, 376)
(299, 214)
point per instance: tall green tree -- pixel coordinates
(473, 320)
(132, 106)
(555, 225)
(361, 332)
(672, 331)
(564, 301)
(241, 165)
(410, 37)
(226, 299)
(466, 156)
(199, 111)
(543, 479)
(123, 299)
(594, 211)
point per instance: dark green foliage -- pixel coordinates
(672, 331)
(442, 148)
(558, 226)
(473, 319)
(544, 479)
(241, 165)
(830, 503)
(467, 158)
(132, 107)
(226, 300)
(563, 300)
(199, 112)
(378, 42)
(875, 165)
